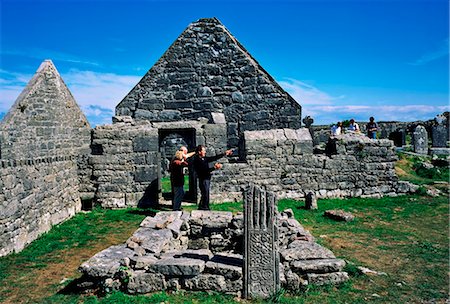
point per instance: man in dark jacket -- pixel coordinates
(201, 166)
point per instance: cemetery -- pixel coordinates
(208, 90)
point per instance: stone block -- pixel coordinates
(142, 262)
(143, 282)
(106, 262)
(328, 278)
(210, 282)
(146, 174)
(302, 250)
(318, 266)
(145, 144)
(230, 272)
(178, 266)
(152, 240)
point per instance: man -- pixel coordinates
(186, 155)
(372, 128)
(201, 166)
(353, 126)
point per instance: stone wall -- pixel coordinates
(34, 195)
(284, 162)
(207, 70)
(43, 138)
(125, 165)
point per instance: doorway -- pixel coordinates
(170, 140)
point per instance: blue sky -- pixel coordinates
(339, 59)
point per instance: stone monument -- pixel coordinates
(420, 140)
(261, 257)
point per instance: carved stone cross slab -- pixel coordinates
(261, 259)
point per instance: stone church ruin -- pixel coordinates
(205, 89)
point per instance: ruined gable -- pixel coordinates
(207, 70)
(45, 120)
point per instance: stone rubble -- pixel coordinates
(155, 259)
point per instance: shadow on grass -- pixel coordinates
(146, 212)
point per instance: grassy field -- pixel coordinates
(405, 237)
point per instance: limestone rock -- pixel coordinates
(329, 278)
(143, 282)
(318, 265)
(339, 215)
(301, 250)
(206, 282)
(106, 262)
(178, 266)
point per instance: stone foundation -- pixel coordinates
(202, 250)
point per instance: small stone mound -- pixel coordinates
(203, 251)
(339, 215)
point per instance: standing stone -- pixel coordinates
(439, 136)
(420, 140)
(261, 259)
(310, 201)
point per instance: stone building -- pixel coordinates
(42, 138)
(206, 89)
(207, 70)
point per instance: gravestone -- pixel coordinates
(420, 140)
(261, 258)
(439, 136)
(310, 201)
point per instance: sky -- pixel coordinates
(339, 59)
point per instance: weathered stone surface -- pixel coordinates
(206, 282)
(420, 140)
(220, 79)
(329, 278)
(211, 219)
(339, 215)
(106, 262)
(261, 261)
(228, 271)
(142, 262)
(143, 282)
(310, 201)
(318, 266)
(152, 240)
(179, 266)
(301, 250)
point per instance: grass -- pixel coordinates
(406, 237)
(408, 168)
(167, 187)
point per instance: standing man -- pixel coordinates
(186, 155)
(372, 128)
(201, 166)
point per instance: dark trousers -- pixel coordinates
(178, 194)
(204, 190)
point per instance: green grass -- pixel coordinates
(408, 169)
(167, 187)
(406, 237)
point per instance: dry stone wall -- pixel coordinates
(43, 138)
(207, 70)
(34, 195)
(283, 161)
(125, 165)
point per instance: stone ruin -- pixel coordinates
(206, 89)
(254, 253)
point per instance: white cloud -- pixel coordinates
(441, 51)
(306, 94)
(330, 114)
(324, 108)
(104, 90)
(96, 93)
